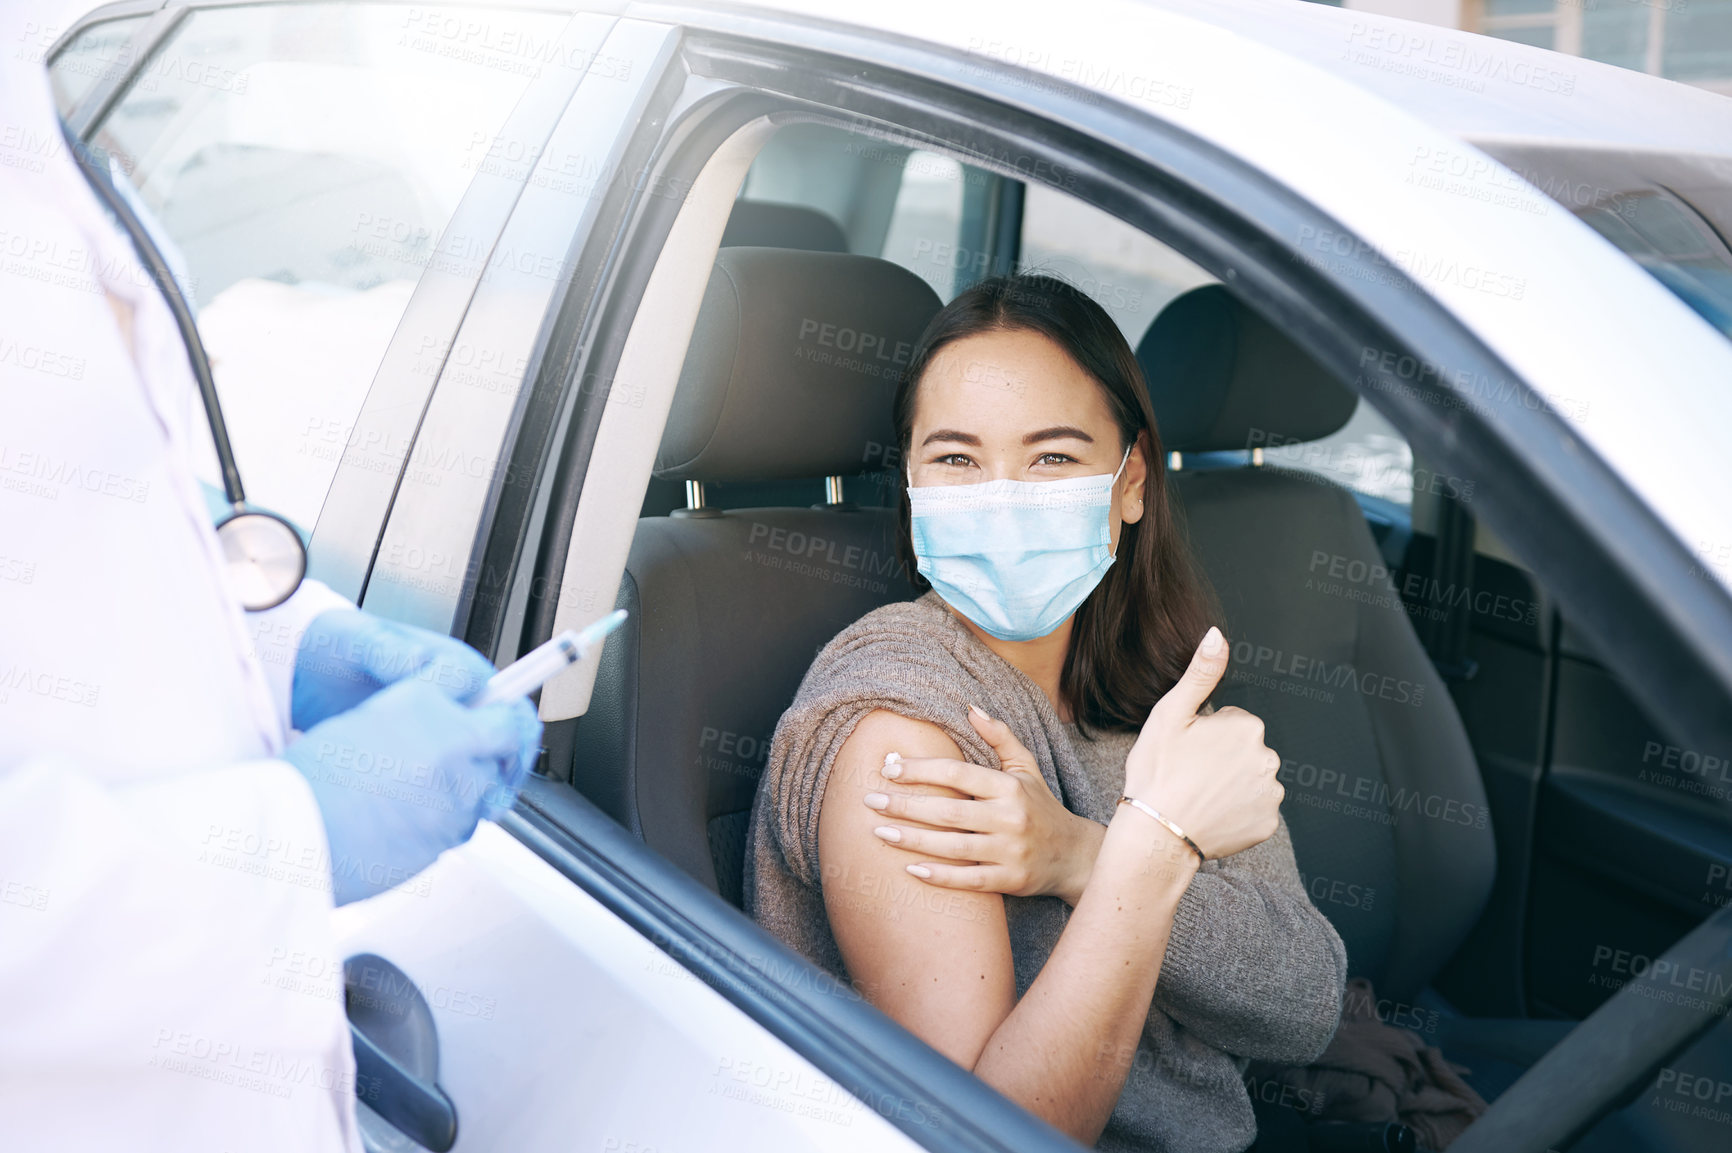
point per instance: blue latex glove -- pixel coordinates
(407, 774)
(347, 655)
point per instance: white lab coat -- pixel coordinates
(167, 967)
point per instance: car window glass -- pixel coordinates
(885, 199)
(1128, 272)
(304, 161)
(906, 205)
(925, 233)
(1134, 276)
(1668, 212)
(98, 53)
(849, 177)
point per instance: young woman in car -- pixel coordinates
(941, 819)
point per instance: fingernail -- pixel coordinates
(920, 871)
(1211, 641)
(979, 712)
(876, 800)
(891, 769)
(888, 833)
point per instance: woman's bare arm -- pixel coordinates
(939, 962)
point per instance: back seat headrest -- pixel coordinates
(792, 367)
(1221, 377)
(764, 224)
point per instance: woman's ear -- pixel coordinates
(1131, 484)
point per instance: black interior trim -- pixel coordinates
(924, 1094)
(1627, 833)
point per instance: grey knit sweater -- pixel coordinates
(1252, 970)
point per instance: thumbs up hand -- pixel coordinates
(1211, 774)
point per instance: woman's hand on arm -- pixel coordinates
(944, 968)
(1007, 834)
(940, 963)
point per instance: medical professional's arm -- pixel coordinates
(277, 635)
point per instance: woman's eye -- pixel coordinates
(1055, 458)
(956, 459)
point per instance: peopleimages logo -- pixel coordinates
(1313, 670)
(1372, 799)
(867, 353)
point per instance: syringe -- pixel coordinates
(538, 666)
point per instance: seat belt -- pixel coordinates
(1452, 574)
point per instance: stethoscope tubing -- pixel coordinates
(237, 531)
(98, 179)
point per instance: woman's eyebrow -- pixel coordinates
(950, 434)
(1062, 432)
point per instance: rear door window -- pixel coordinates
(304, 161)
(1134, 276)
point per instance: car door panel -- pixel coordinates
(561, 1027)
(1612, 841)
(1634, 839)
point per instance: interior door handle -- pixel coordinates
(420, 1110)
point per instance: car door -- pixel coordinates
(1345, 314)
(1625, 830)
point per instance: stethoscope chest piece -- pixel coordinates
(265, 558)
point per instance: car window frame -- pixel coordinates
(483, 583)
(1558, 497)
(161, 21)
(1543, 486)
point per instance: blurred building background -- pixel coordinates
(1685, 40)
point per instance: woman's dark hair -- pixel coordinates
(1135, 634)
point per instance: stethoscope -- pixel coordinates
(263, 552)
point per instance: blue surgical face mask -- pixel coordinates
(1015, 557)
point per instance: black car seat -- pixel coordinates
(790, 374)
(1384, 796)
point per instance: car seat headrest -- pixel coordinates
(792, 367)
(764, 224)
(1221, 377)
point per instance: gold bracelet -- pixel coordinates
(1165, 823)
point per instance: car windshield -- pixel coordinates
(1669, 213)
